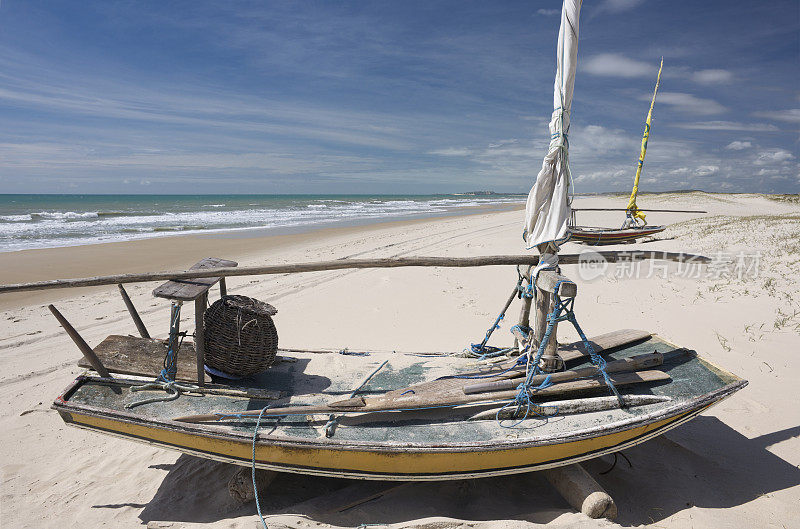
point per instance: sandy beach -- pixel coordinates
(734, 466)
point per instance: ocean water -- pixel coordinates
(42, 221)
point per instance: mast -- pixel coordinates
(633, 211)
(548, 208)
(548, 205)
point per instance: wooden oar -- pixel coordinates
(634, 363)
(577, 350)
(415, 401)
(571, 406)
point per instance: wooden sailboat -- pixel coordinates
(403, 424)
(403, 416)
(635, 225)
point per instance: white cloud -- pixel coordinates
(688, 103)
(617, 6)
(791, 115)
(727, 125)
(706, 170)
(738, 145)
(548, 12)
(773, 156)
(616, 65)
(601, 176)
(601, 140)
(500, 143)
(452, 151)
(712, 76)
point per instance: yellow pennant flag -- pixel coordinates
(632, 209)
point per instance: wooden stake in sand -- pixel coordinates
(134, 315)
(87, 351)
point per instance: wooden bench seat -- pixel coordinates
(191, 289)
(131, 355)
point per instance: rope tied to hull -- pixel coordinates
(166, 379)
(172, 388)
(563, 310)
(482, 351)
(253, 467)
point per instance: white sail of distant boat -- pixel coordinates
(548, 206)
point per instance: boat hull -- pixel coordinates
(419, 445)
(401, 463)
(590, 235)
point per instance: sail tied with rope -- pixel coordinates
(548, 207)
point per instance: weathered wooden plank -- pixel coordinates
(131, 355)
(188, 290)
(602, 342)
(634, 363)
(414, 401)
(576, 350)
(548, 279)
(569, 406)
(343, 264)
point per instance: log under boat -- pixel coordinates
(429, 427)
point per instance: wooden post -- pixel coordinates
(582, 491)
(134, 315)
(543, 301)
(199, 336)
(546, 283)
(87, 351)
(524, 313)
(223, 288)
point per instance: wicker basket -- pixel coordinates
(240, 337)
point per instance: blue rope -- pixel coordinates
(524, 328)
(527, 292)
(170, 369)
(523, 398)
(253, 468)
(483, 350)
(562, 310)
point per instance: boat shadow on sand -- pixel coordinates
(669, 474)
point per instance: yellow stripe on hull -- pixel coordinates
(408, 464)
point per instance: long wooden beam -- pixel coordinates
(341, 264)
(647, 210)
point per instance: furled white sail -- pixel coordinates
(548, 206)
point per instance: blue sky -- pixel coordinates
(391, 97)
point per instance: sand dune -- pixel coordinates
(734, 466)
